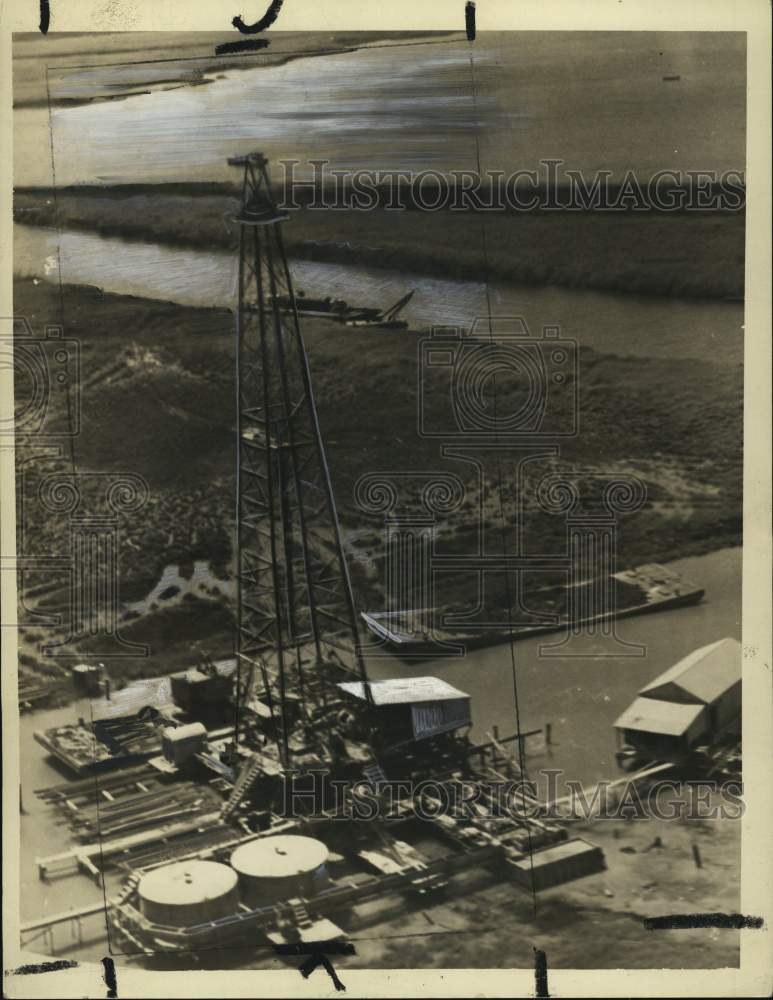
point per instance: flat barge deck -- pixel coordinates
(412, 633)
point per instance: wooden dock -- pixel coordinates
(657, 767)
(82, 857)
(43, 927)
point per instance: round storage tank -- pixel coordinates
(188, 893)
(274, 869)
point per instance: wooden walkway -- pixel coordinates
(81, 858)
(43, 927)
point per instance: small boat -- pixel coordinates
(642, 590)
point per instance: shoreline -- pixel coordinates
(213, 63)
(627, 253)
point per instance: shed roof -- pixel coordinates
(405, 690)
(225, 667)
(222, 668)
(178, 734)
(705, 674)
(666, 718)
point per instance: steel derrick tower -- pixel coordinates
(296, 621)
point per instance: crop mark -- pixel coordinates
(36, 968)
(469, 20)
(540, 973)
(702, 921)
(318, 956)
(111, 980)
(265, 22)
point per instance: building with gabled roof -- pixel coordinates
(702, 677)
(693, 700)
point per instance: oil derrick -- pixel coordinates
(297, 625)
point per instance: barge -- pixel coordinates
(645, 589)
(91, 747)
(340, 311)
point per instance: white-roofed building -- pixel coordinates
(709, 676)
(414, 708)
(696, 698)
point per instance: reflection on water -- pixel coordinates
(381, 108)
(616, 324)
(538, 95)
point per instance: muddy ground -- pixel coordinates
(594, 923)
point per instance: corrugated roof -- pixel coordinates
(705, 674)
(405, 690)
(667, 718)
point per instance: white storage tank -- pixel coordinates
(275, 869)
(188, 892)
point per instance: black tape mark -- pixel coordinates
(695, 921)
(108, 974)
(36, 969)
(469, 20)
(318, 956)
(45, 16)
(540, 973)
(265, 22)
(330, 948)
(244, 46)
